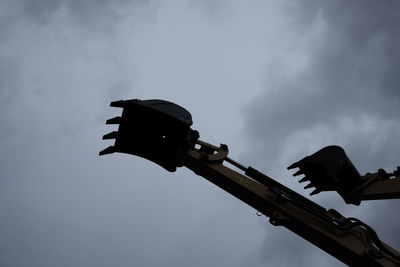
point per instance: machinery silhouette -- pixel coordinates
(160, 131)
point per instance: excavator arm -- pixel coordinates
(348, 239)
(160, 131)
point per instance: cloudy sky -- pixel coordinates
(275, 80)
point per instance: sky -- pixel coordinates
(275, 80)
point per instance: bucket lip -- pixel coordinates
(166, 107)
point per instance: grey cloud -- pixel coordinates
(212, 9)
(49, 143)
(9, 91)
(360, 25)
(92, 16)
(347, 93)
(8, 79)
(84, 11)
(65, 206)
(39, 11)
(348, 68)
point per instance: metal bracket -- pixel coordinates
(211, 153)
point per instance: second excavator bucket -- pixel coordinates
(328, 169)
(152, 129)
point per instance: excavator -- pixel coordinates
(160, 131)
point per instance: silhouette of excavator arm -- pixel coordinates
(348, 239)
(160, 131)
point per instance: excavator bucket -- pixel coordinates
(328, 169)
(152, 129)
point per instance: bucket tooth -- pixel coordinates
(118, 104)
(112, 135)
(294, 165)
(299, 172)
(115, 120)
(309, 186)
(106, 151)
(304, 179)
(316, 191)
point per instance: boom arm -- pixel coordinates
(376, 186)
(160, 131)
(348, 239)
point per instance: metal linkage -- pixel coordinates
(160, 131)
(348, 239)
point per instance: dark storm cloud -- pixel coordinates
(346, 91)
(92, 16)
(350, 71)
(62, 205)
(63, 61)
(52, 83)
(84, 11)
(8, 78)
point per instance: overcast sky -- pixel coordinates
(275, 80)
